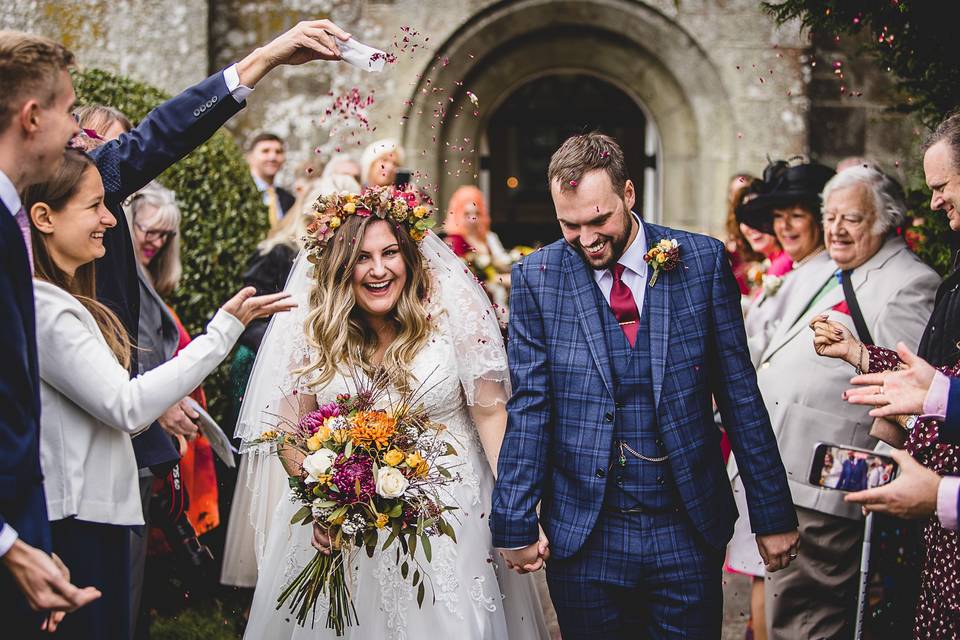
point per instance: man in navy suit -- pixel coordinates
(35, 126)
(610, 433)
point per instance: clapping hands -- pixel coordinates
(530, 558)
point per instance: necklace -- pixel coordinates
(800, 263)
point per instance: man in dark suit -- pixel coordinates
(853, 476)
(266, 156)
(614, 358)
(35, 126)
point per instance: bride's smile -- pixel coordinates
(380, 272)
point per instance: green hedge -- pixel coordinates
(223, 215)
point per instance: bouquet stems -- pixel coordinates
(323, 574)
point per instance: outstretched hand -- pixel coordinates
(45, 582)
(307, 41)
(529, 558)
(246, 307)
(900, 392)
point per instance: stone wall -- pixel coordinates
(723, 85)
(161, 42)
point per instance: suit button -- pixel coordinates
(619, 405)
(209, 103)
(214, 99)
(196, 113)
(608, 416)
(659, 443)
(661, 481)
(620, 482)
(601, 473)
(203, 108)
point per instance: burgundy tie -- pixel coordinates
(24, 224)
(624, 306)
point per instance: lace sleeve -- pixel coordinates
(470, 320)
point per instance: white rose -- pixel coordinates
(318, 463)
(390, 482)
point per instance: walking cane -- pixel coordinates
(864, 576)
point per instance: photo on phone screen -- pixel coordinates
(850, 468)
(403, 178)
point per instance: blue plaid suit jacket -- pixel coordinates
(559, 434)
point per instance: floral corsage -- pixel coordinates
(663, 256)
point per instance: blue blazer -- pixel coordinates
(22, 502)
(559, 437)
(167, 134)
(950, 427)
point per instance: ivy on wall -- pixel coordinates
(906, 38)
(223, 215)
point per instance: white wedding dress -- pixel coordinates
(470, 595)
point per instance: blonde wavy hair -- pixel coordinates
(354, 343)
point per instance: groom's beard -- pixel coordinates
(617, 245)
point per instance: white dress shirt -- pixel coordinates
(634, 272)
(11, 200)
(9, 196)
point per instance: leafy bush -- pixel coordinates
(223, 215)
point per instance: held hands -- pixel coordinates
(833, 340)
(900, 392)
(530, 558)
(912, 495)
(246, 307)
(307, 41)
(45, 582)
(778, 550)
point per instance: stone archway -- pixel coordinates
(525, 129)
(628, 44)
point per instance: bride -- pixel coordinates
(380, 287)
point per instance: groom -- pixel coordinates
(610, 428)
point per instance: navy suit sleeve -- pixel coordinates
(950, 427)
(167, 134)
(733, 382)
(522, 466)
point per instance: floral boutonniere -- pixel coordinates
(663, 256)
(771, 284)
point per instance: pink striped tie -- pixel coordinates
(24, 224)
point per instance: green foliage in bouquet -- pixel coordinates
(223, 216)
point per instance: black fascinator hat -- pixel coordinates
(783, 184)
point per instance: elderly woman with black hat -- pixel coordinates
(786, 203)
(869, 281)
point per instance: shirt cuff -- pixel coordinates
(935, 403)
(8, 535)
(232, 78)
(947, 506)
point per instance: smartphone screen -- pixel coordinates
(403, 178)
(849, 468)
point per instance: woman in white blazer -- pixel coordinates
(90, 405)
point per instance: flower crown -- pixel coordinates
(399, 207)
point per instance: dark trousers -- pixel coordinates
(98, 555)
(639, 576)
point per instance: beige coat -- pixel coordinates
(802, 390)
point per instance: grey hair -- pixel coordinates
(889, 203)
(165, 268)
